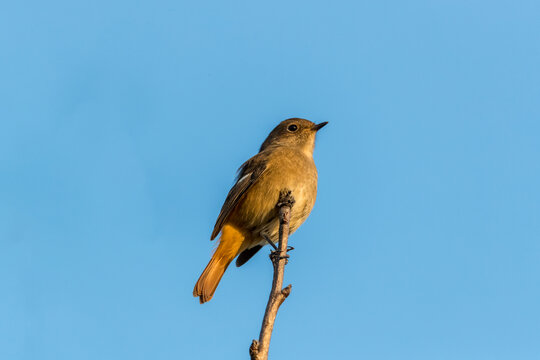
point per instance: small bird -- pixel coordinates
(249, 216)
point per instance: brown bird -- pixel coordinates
(249, 214)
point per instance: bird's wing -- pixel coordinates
(248, 175)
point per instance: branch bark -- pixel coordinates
(259, 348)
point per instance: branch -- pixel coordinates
(259, 349)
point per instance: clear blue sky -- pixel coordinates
(122, 125)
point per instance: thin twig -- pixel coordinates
(259, 349)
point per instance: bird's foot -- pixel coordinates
(276, 256)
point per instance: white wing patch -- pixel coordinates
(243, 178)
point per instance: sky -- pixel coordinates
(122, 125)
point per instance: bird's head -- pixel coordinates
(294, 132)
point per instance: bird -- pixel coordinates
(248, 219)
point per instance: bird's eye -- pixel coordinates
(292, 127)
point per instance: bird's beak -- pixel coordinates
(319, 126)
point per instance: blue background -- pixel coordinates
(121, 127)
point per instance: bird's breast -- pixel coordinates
(286, 170)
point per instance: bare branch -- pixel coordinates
(259, 349)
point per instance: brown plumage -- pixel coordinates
(285, 161)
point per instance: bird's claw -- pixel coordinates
(275, 256)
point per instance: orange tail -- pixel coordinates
(230, 245)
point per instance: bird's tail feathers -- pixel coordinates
(229, 246)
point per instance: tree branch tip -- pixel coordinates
(287, 290)
(286, 198)
(254, 349)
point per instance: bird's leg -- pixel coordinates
(275, 255)
(265, 237)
